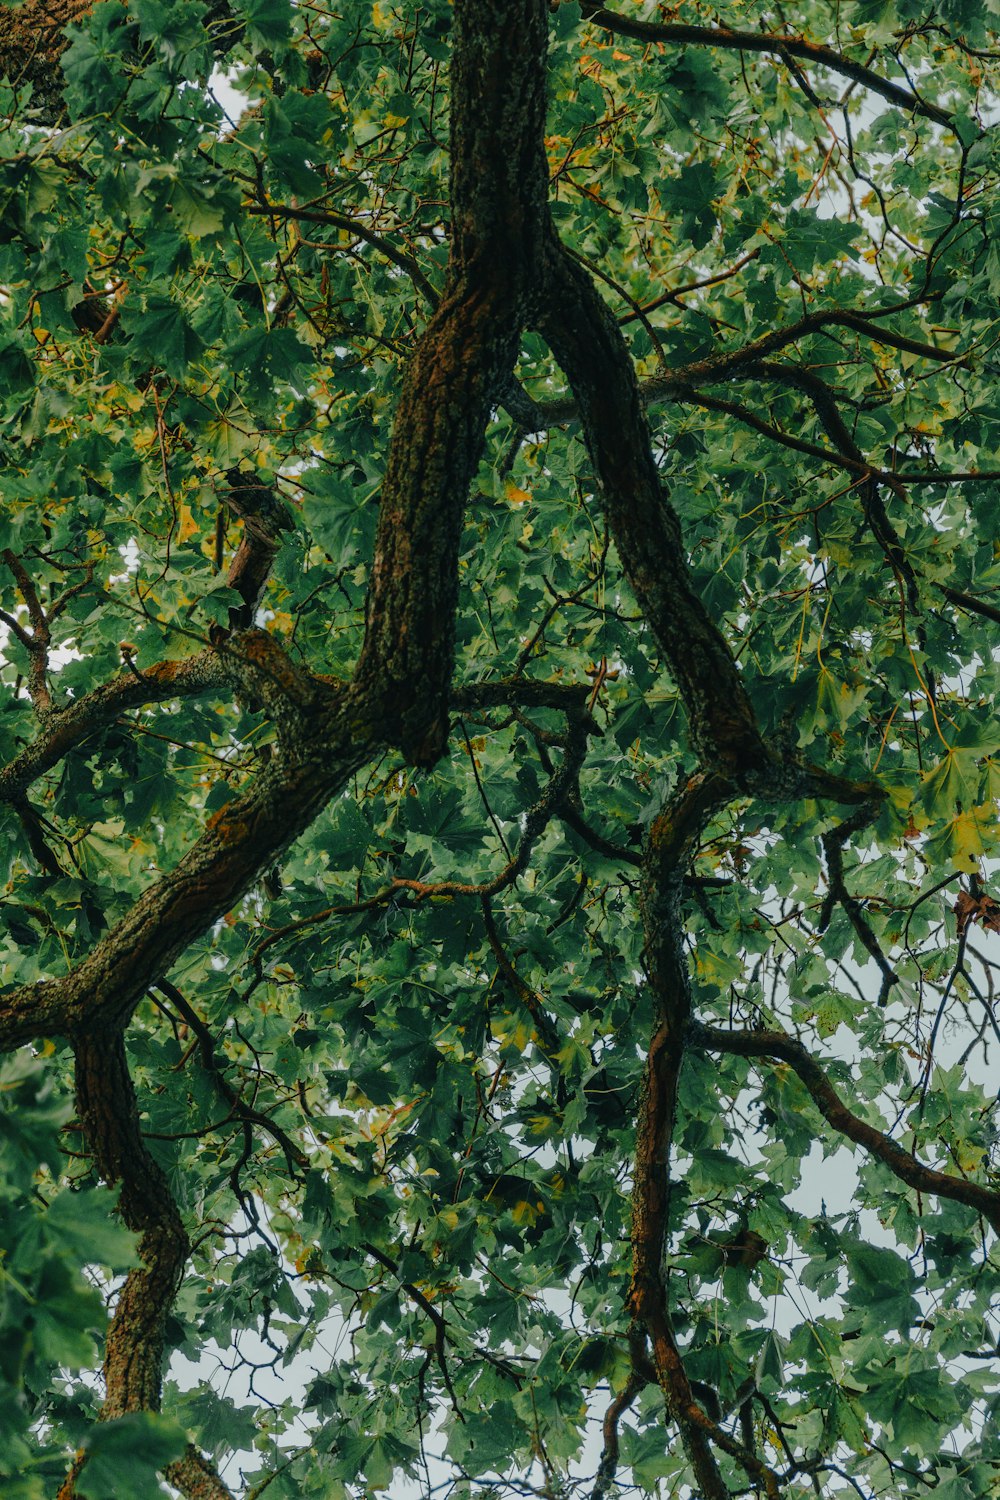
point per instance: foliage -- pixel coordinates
(376, 891)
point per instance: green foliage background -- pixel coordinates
(462, 1196)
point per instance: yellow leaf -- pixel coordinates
(968, 1157)
(188, 525)
(966, 839)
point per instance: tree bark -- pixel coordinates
(32, 42)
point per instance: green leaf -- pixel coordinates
(162, 329)
(124, 1456)
(691, 194)
(83, 1223)
(710, 742)
(338, 515)
(17, 374)
(809, 240)
(92, 61)
(269, 20)
(196, 211)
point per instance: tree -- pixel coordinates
(500, 755)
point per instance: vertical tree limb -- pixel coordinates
(133, 1360)
(462, 364)
(584, 336)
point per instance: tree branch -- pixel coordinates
(264, 519)
(833, 847)
(37, 643)
(461, 366)
(671, 839)
(357, 227)
(66, 728)
(717, 368)
(680, 35)
(196, 1478)
(536, 820)
(324, 738)
(587, 342)
(294, 1156)
(776, 1046)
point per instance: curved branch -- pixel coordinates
(778, 45)
(196, 1478)
(586, 340)
(356, 227)
(134, 1350)
(549, 1040)
(325, 738)
(109, 1118)
(672, 837)
(717, 368)
(776, 1046)
(750, 419)
(264, 519)
(833, 847)
(68, 727)
(294, 1156)
(849, 456)
(608, 1466)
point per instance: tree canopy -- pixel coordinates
(500, 751)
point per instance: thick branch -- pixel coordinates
(196, 1478)
(134, 1350)
(586, 340)
(461, 366)
(84, 717)
(776, 1046)
(671, 839)
(971, 603)
(608, 1467)
(325, 738)
(109, 1117)
(264, 519)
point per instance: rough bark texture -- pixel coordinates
(585, 338)
(109, 1118)
(32, 41)
(461, 367)
(399, 695)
